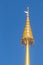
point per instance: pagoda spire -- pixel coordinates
(27, 38)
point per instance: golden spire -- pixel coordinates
(27, 37)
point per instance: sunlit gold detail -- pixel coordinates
(27, 38)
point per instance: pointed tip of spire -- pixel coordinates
(28, 9)
(27, 12)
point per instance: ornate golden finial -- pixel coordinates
(27, 37)
(27, 34)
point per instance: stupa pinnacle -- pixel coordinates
(27, 37)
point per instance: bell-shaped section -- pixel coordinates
(27, 34)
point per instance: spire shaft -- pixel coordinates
(27, 56)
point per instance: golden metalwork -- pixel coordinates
(27, 38)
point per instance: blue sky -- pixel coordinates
(12, 21)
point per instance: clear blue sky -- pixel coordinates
(12, 21)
